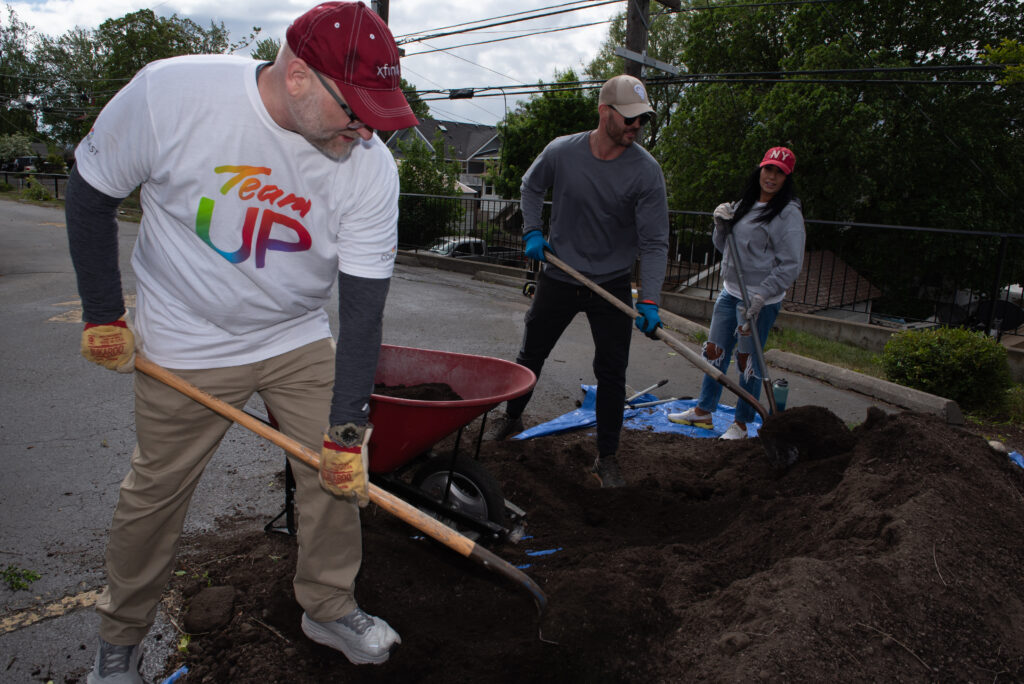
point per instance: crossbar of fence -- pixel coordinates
(906, 277)
(890, 275)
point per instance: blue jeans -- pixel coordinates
(725, 319)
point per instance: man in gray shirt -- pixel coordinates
(608, 206)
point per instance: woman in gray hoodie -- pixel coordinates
(769, 228)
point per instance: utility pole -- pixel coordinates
(381, 8)
(636, 31)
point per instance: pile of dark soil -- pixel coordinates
(887, 553)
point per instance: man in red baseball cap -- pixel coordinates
(264, 189)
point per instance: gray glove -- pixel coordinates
(756, 304)
(723, 218)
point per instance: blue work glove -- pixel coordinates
(536, 244)
(649, 320)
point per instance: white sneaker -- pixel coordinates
(734, 432)
(691, 417)
(363, 638)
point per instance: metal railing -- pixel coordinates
(896, 276)
(53, 182)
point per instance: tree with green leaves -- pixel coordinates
(419, 107)
(266, 49)
(18, 78)
(75, 87)
(14, 145)
(562, 108)
(1008, 52)
(874, 143)
(424, 170)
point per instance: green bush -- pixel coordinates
(34, 190)
(968, 367)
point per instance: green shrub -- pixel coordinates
(34, 190)
(968, 367)
(5, 187)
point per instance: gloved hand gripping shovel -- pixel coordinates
(382, 498)
(693, 357)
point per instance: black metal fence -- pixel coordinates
(53, 182)
(896, 276)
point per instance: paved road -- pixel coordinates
(66, 429)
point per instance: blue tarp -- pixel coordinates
(653, 418)
(1017, 458)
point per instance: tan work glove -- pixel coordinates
(111, 345)
(345, 462)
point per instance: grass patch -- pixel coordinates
(839, 354)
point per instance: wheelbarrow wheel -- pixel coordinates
(474, 491)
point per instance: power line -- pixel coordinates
(415, 39)
(503, 16)
(524, 35)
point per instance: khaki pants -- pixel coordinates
(176, 439)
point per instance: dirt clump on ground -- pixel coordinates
(887, 553)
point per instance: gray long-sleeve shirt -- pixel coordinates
(771, 253)
(604, 212)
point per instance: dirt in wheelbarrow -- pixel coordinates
(890, 552)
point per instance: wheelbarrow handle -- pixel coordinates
(690, 355)
(386, 500)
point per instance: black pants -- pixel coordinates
(554, 306)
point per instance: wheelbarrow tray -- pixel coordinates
(407, 428)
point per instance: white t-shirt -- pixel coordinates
(245, 224)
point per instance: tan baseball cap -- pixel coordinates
(627, 94)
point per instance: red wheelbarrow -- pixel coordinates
(452, 487)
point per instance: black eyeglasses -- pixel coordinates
(645, 118)
(354, 122)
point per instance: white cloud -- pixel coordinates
(524, 60)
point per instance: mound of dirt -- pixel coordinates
(889, 553)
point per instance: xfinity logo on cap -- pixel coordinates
(387, 70)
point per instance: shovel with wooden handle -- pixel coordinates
(693, 357)
(382, 498)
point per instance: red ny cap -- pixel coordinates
(782, 157)
(349, 43)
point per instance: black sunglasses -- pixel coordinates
(354, 122)
(645, 118)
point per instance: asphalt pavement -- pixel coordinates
(66, 431)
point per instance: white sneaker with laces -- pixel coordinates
(691, 417)
(363, 638)
(734, 432)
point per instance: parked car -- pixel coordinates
(475, 249)
(22, 164)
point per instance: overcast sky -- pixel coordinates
(524, 60)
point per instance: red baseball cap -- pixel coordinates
(782, 157)
(350, 44)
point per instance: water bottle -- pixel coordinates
(780, 390)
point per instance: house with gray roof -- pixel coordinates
(471, 145)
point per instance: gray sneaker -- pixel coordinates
(606, 469)
(503, 427)
(116, 665)
(363, 638)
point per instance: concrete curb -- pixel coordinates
(889, 392)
